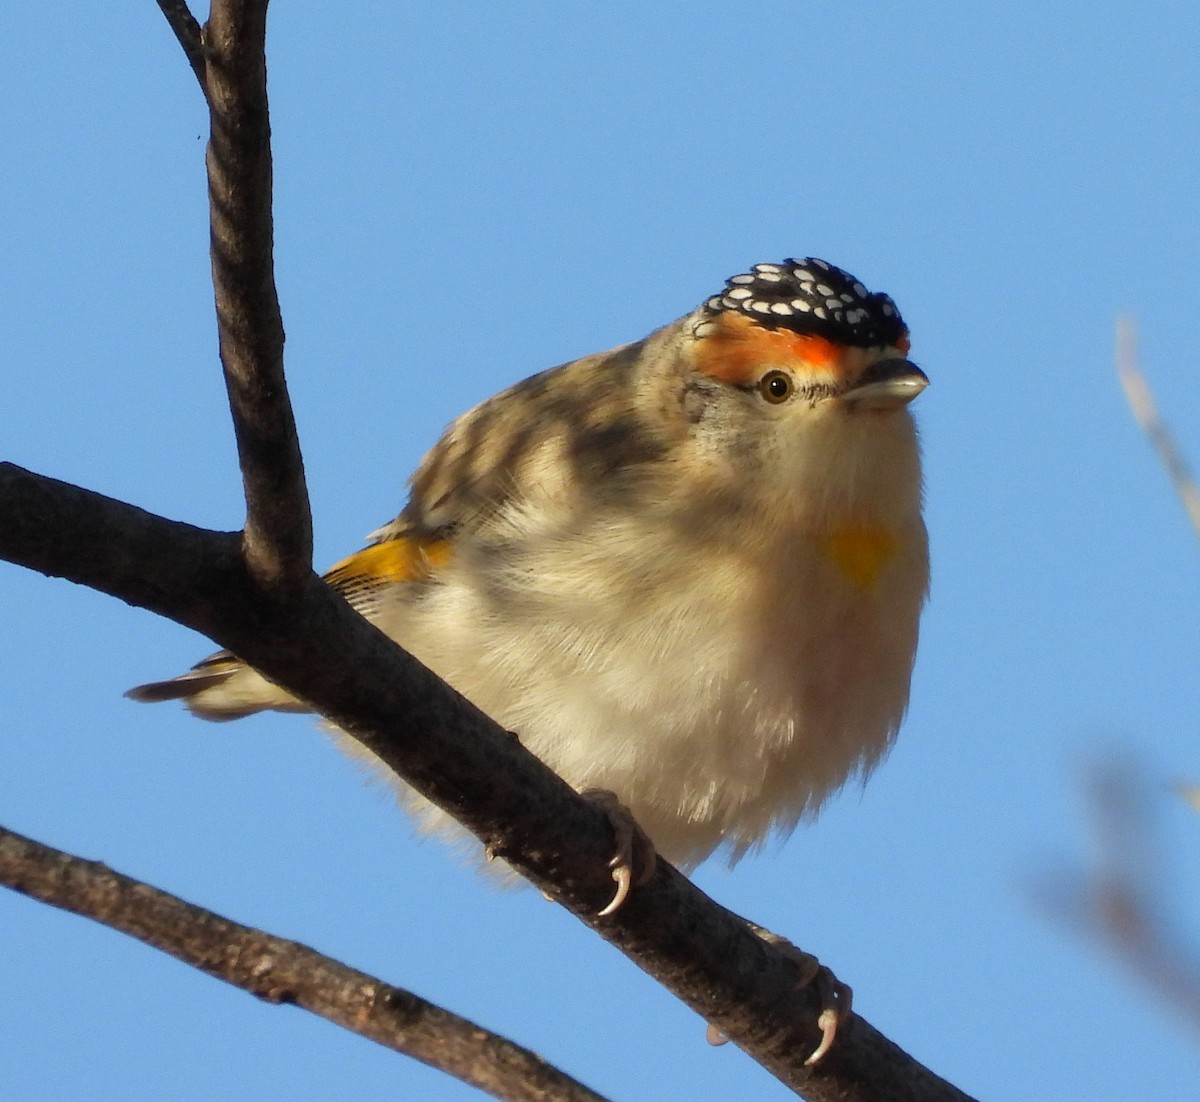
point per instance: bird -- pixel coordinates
(688, 571)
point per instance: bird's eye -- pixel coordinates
(776, 387)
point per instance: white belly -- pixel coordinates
(718, 699)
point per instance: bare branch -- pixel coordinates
(259, 598)
(187, 30)
(278, 532)
(453, 754)
(1141, 401)
(1117, 902)
(280, 971)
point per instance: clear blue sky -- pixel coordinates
(468, 193)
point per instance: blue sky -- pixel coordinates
(466, 195)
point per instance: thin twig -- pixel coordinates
(187, 30)
(1141, 401)
(1117, 901)
(278, 531)
(281, 971)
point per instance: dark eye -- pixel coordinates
(776, 387)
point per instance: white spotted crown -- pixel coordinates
(812, 296)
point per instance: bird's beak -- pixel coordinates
(886, 384)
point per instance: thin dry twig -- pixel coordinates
(187, 30)
(281, 971)
(1117, 901)
(1145, 411)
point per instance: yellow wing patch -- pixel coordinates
(861, 551)
(392, 562)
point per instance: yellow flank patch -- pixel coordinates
(387, 563)
(861, 551)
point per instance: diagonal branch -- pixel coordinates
(1145, 412)
(281, 971)
(453, 754)
(1118, 901)
(187, 30)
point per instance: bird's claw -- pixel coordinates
(634, 858)
(835, 998)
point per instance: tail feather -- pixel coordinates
(220, 688)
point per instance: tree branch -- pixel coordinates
(1117, 902)
(187, 30)
(257, 596)
(280, 971)
(453, 754)
(278, 531)
(1145, 412)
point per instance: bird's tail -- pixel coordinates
(224, 687)
(221, 687)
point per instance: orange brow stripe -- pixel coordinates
(738, 350)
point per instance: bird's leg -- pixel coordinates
(835, 998)
(633, 861)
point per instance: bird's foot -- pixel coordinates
(634, 860)
(835, 998)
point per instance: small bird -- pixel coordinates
(687, 571)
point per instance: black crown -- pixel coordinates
(812, 296)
